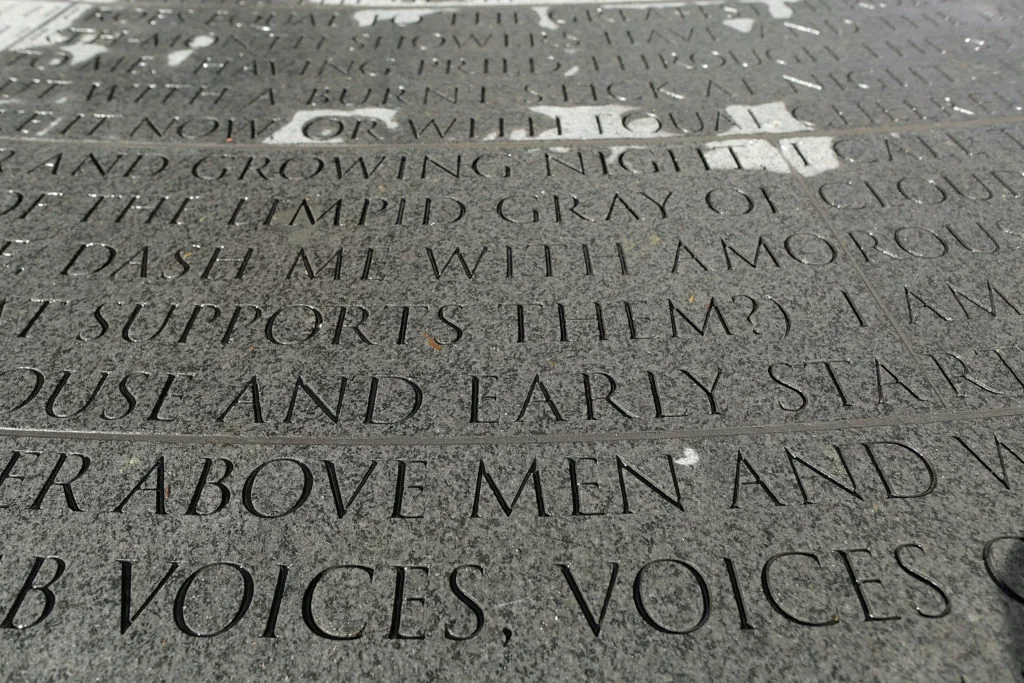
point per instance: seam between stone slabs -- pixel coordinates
(866, 281)
(529, 144)
(512, 440)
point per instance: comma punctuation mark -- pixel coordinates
(507, 632)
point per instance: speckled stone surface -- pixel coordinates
(473, 340)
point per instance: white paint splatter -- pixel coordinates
(801, 28)
(19, 19)
(639, 4)
(799, 81)
(590, 122)
(771, 117)
(401, 17)
(30, 25)
(646, 5)
(778, 9)
(593, 122)
(748, 153)
(808, 156)
(543, 18)
(293, 132)
(689, 458)
(571, 71)
(178, 57)
(740, 24)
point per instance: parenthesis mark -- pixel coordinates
(507, 632)
(785, 316)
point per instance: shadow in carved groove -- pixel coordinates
(1005, 566)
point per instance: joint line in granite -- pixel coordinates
(937, 417)
(529, 143)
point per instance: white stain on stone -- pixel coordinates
(178, 57)
(640, 4)
(771, 117)
(689, 458)
(571, 71)
(589, 122)
(19, 19)
(746, 153)
(778, 9)
(293, 132)
(400, 17)
(740, 24)
(32, 25)
(808, 156)
(645, 5)
(544, 19)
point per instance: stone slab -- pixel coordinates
(474, 340)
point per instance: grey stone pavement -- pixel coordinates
(669, 340)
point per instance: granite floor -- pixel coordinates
(477, 339)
